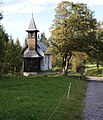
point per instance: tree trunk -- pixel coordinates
(97, 66)
(65, 64)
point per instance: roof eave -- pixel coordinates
(32, 30)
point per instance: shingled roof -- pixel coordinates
(31, 54)
(42, 46)
(32, 25)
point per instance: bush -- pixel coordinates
(81, 70)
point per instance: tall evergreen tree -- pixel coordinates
(3, 41)
(25, 43)
(8, 64)
(43, 38)
(12, 59)
(17, 57)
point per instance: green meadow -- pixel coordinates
(42, 97)
(91, 70)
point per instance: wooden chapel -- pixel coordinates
(35, 58)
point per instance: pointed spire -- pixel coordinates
(32, 14)
(32, 25)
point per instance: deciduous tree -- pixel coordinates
(72, 30)
(97, 53)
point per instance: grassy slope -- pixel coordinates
(91, 70)
(35, 98)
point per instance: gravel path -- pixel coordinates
(94, 99)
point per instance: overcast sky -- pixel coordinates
(17, 15)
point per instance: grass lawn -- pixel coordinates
(91, 70)
(36, 97)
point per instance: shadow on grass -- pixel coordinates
(94, 73)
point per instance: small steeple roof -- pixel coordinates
(32, 25)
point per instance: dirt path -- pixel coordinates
(94, 99)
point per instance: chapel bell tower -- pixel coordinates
(32, 35)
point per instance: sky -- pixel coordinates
(17, 15)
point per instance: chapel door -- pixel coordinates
(32, 65)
